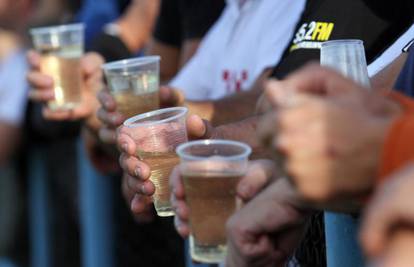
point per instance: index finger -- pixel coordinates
(176, 184)
(311, 79)
(33, 58)
(107, 100)
(259, 174)
(124, 142)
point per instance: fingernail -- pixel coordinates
(143, 190)
(244, 190)
(138, 172)
(178, 211)
(124, 147)
(133, 202)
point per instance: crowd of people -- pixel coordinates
(324, 146)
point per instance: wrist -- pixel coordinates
(283, 189)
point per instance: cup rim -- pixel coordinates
(342, 42)
(183, 155)
(57, 28)
(131, 122)
(130, 62)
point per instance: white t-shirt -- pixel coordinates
(13, 88)
(250, 36)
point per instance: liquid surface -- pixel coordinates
(212, 200)
(129, 104)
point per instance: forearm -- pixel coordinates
(235, 107)
(242, 131)
(137, 23)
(104, 157)
(388, 76)
(232, 108)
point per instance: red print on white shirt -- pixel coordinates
(235, 80)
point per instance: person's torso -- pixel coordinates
(325, 20)
(235, 49)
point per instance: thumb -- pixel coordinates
(34, 59)
(170, 97)
(91, 63)
(197, 128)
(259, 174)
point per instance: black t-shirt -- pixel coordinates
(186, 19)
(325, 20)
(123, 4)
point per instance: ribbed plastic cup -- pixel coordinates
(156, 135)
(134, 83)
(61, 48)
(348, 58)
(211, 170)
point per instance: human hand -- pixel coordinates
(259, 174)
(138, 189)
(326, 83)
(111, 117)
(267, 230)
(314, 126)
(399, 250)
(325, 156)
(389, 210)
(42, 89)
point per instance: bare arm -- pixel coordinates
(388, 76)
(47, 11)
(173, 59)
(188, 49)
(232, 108)
(137, 23)
(170, 58)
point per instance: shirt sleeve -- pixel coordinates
(198, 16)
(391, 53)
(192, 79)
(398, 148)
(13, 90)
(168, 28)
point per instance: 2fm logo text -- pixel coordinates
(310, 35)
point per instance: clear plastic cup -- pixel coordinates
(134, 83)
(211, 170)
(156, 135)
(348, 58)
(61, 48)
